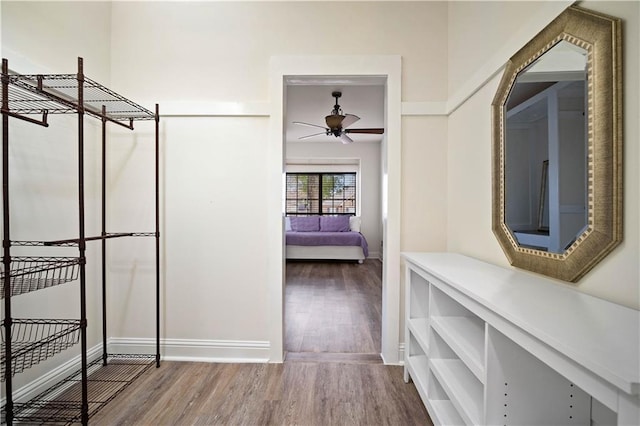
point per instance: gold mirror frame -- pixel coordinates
(600, 36)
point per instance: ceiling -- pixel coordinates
(309, 100)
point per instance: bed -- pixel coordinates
(325, 237)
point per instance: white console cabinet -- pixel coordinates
(485, 345)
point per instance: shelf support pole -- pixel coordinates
(82, 245)
(6, 243)
(104, 234)
(157, 183)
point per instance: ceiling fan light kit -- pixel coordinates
(337, 124)
(334, 121)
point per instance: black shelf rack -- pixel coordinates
(62, 403)
(36, 273)
(27, 342)
(34, 340)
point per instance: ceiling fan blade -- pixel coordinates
(310, 125)
(372, 131)
(345, 139)
(310, 136)
(349, 119)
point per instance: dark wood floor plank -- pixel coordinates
(267, 394)
(340, 357)
(333, 306)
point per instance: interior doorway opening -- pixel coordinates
(388, 67)
(333, 308)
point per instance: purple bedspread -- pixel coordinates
(327, 239)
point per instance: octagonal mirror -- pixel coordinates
(557, 147)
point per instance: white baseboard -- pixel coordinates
(195, 350)
(400, 356)
(375, 255)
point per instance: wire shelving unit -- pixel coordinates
(27, 342)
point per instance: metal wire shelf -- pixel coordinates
(74, 242)
(34, 340)
(58, 94)
(62, 402)
(36, 273)
(32, 98)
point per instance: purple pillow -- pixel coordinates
(334, 223)
(305, 223)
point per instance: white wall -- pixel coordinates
(218, 54)
(219, 51)
(43, 161)
(424, 188)
(616, 278)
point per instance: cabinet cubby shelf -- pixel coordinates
(506, 347)
(419, 364)
(34, 340)
(464, 390)
(444, 412)
(419, 327)
(465, 336)
(36, 273)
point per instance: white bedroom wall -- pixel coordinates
(469, 175)
(43, 161)
(368, 157)
(327, 150)
(218, 54)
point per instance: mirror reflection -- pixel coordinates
(546, 156)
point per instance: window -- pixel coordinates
(321, 194)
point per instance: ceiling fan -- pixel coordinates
(337, 124)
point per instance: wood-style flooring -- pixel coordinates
(293, 393)
(333, 307)
(332, 374)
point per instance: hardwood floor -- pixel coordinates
(332, 374)
(302, 393)
(333, 307)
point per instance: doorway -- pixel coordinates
(389, 68)
(334, 306)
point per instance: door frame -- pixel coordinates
(390, 67)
